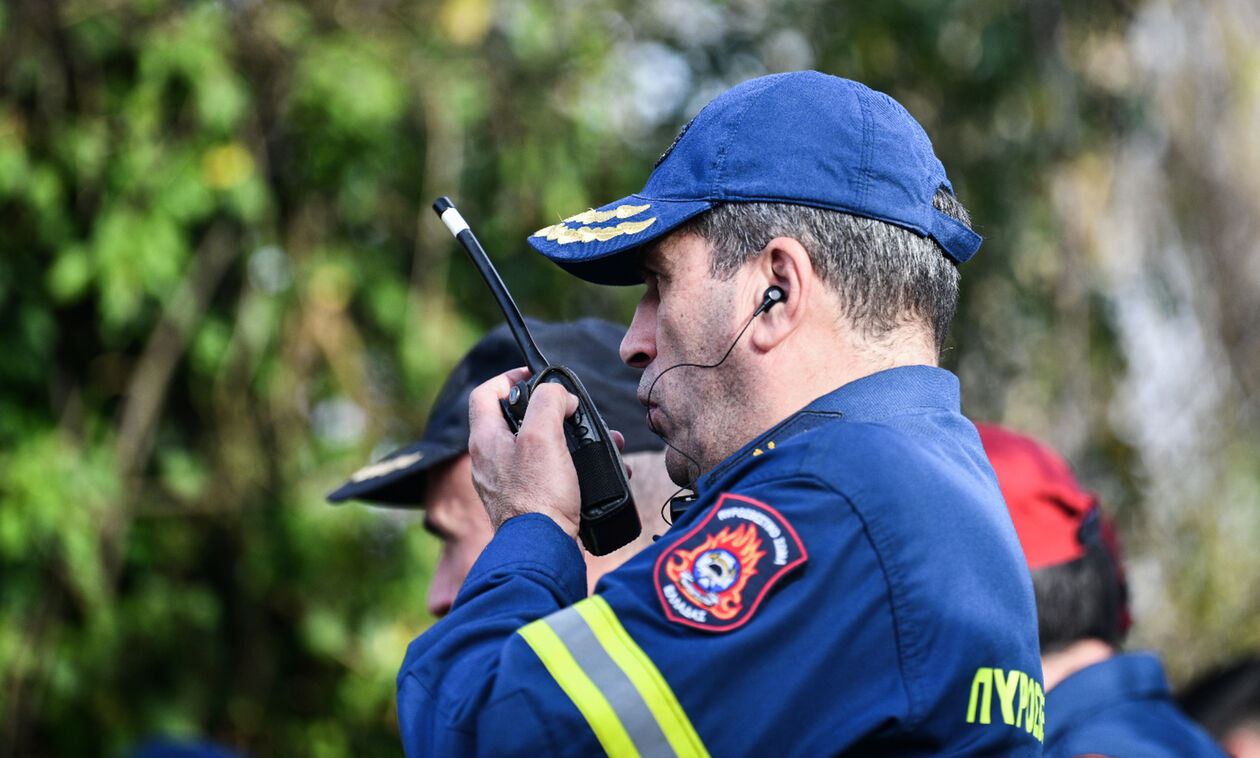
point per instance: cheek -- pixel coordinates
(470, 545)
(449, 569)
(673, 323)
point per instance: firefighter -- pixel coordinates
(847, 580)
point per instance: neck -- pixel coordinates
(814, 362)
(1059, 665)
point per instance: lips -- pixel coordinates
(655, 417)
(654, 413)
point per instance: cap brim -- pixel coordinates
(598, 245)
(398, 479)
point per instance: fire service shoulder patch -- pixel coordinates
(716, 576)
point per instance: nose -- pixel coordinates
(443, 588)
(638, 347)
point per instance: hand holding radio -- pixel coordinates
(527, 470)
(608, 516)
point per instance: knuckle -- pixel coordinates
(531, 436)
(547, 390)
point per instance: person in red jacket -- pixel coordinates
(1099, 699)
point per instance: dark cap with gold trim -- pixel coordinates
(588, 347)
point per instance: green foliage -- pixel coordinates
(221, 290)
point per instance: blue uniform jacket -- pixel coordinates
(1121, 708)
(848, 583)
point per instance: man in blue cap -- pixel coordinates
(433, 473)
(847, 580)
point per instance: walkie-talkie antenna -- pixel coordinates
(455, 222)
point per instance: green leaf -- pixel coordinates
(118, 231)
(69, 277)
(250, 200)
(221, 99)
(324, 633)
(182, 189)
(13, 159)
(85, 142)
(350, 85)
(209, 347)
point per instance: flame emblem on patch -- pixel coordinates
(715, 577)
(715, 573)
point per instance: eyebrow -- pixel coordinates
(650, 259)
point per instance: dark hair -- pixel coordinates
(886, 275)
(1082, 599)
(1225, 698)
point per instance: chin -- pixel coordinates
(682, 471)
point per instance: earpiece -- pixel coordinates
(773, 296)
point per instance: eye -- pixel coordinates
(653, 291)
(435, 529)
(649, 265)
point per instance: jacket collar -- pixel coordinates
(1122, 678)
(872, 398)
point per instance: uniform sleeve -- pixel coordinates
(781, 616)
(446, 687)
(526, 665)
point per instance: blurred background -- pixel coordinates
(222, 290)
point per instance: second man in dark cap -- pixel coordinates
(434, 473)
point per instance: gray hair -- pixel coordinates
(886, 276)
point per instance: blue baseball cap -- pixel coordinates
(803, 138)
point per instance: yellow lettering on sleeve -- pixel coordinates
(983, 679)
(1007, 687)
(1019, 696)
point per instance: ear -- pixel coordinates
(783, 263)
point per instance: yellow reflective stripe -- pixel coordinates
(592, 704)
(646, 678)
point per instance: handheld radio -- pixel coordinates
(609, 519)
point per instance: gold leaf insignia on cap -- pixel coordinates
(599, 217)
(387, 466)
(564, 234)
